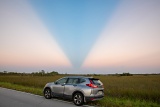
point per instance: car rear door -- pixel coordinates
(70, 86)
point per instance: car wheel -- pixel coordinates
(78, 99)
(47, 93)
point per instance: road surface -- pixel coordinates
(12, 98)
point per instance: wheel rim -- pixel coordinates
(47, 93)
(78, 99)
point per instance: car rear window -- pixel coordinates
(82, 80)
(96, 81)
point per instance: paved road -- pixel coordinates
(12, 98)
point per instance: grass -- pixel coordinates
(139, 86)
(124, 102)
(120, 91)
(37, 91)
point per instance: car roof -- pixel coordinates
(78, 77)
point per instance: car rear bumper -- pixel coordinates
(93, 98)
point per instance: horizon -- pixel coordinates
(93, 74)
(80, 37)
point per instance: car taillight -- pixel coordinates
(92, 85)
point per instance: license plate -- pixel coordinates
(99, 93)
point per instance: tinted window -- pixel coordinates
(61, 81)
(82, 80)
(96, 81)
(72, 81)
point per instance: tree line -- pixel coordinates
(40, 73)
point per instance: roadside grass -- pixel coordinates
(105, 102)
(124, 102)
(33, 90)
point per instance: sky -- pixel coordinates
(80, 36)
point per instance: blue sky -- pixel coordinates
(80, 36)
(75, 23)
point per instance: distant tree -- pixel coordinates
(96, 74)
(54, 73)
(5, 72)
(126, 74)
(41, 73)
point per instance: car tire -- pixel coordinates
(47, 93)
(78, 99)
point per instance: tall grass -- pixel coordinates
(134, 87)
(33, 81)
(138, 86)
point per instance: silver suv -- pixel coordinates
(80, 89)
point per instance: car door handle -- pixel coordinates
(74, 85)
(63, 84)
